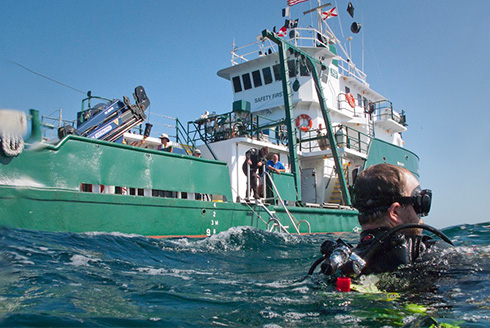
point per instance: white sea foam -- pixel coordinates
(20, 259)
(299, 316)
(115, 234)
(302, 290)
(267, 313)
(155, 319)
(81, 260)
(345, 319)
(23, 181)
(164, 272)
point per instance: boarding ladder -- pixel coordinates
(274, 219)
(371, 127)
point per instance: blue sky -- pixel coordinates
(430, 58)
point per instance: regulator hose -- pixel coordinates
(377, 244)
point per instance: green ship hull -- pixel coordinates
(100, 177)
(42, 189)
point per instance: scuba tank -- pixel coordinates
(341, 261)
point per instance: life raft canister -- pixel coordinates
(350, 99)
(304, 122)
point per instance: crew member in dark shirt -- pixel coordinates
(254, 160)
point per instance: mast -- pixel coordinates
(311, 62)
(288, 108)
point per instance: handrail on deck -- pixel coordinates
(346, 67)
(316, 139)
(281, 201)
(212, 128)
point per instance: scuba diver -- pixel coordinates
(390, 204)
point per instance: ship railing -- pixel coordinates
(345, 137)
(344, 106)
(212, 128)
(51, 124)
(321, 39)
(259, 48)
(383, 111)
(301, 37)
(348, 68)
(172, 126)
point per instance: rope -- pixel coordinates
(43, 76)
(12, 145)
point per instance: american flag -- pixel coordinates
(295, 2)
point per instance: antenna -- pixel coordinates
(319, 7)
(362, 44)
(349, 39)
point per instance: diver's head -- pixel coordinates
(387, 196)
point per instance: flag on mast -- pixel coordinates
(286, 12)
(330, 13)
(350, 9)
(283, 31)
(294, 2)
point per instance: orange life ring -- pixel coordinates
(350, 99)
(304, 122)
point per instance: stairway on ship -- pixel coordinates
(336, 195)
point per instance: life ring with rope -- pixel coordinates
(350, 99)
(304, 122)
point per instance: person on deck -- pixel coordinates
(255, 160)
(386, 197)
(197, 153)
(165, 145)
(274, 165)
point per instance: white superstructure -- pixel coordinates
(358, 113)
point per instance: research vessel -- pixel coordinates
(295, 90)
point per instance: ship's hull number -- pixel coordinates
(214, 222)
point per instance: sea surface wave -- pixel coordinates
(239, 278)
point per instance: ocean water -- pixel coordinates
(239, 278)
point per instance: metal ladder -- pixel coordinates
(274, 218)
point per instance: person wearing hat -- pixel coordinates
(196, 153)
(165, 145)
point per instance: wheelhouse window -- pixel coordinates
(247, 82)
(257, 79)
(303, 69)
(237, 85)
(267, 75)
(324, 76)
(293, 68)
(347, 89)
(277, 72)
